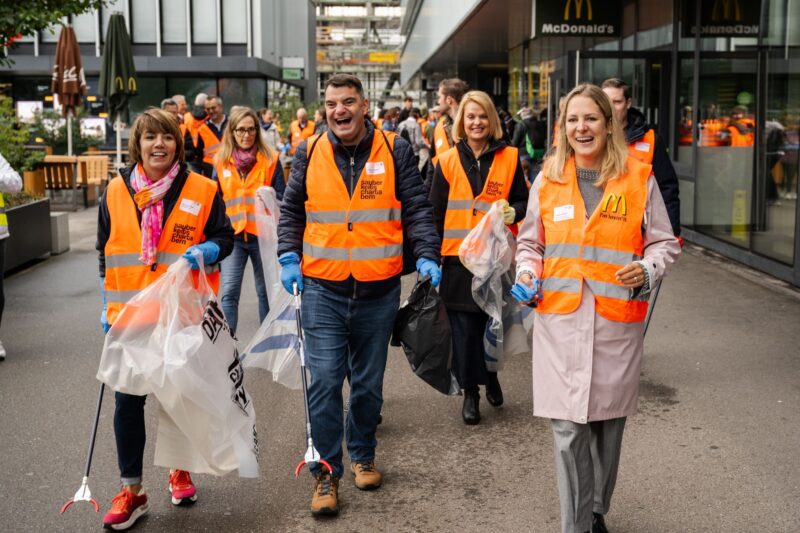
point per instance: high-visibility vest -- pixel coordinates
(465, 211)
(710, 133)
(3, 219)
(644, 148)
(299, 134)
(379, 123)
(125, 274)
(742, 133)
(578, 251)
(240, 194)
(441, 142)
(211, 143)
(192, 125)
(360, 235)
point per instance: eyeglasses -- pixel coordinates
(245, 131)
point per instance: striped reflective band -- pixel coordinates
(564, 250)
(455, 205)
(125, 260)
(120, 297)
(247, 200)
(483, 206)
(359, 254)
(605, 255)
(561, 284)
(609, 290)
(359, 215)
(241, 216)
(455, 233)
(211, 148)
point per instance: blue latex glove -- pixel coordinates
(290, 272)
(209, 251)
(286, 148)
(428, 267)
(525, 294)
(104, 313)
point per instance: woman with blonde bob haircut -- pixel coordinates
(244, 163)
(479, 170)
(595, 240)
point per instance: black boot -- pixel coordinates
(470, 412)
(494, 394)
(598, 524)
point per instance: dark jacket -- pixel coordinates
(662, 167)
(532, 128)
(456, 287)
(416, 215)
(194, 152)
(218, 227)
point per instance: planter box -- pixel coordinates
(29, 226)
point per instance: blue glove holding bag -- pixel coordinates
(527, 294)
(290, 272)
(208, 250)
(429, 267)
(104, 313)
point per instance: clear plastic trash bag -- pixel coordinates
(171, 340)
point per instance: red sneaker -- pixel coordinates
(182, 488)
(126, 508)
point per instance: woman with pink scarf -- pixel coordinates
(154, 213)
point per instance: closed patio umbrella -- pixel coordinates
(69, 82)
(117, 75)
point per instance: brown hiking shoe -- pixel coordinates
(325, 500)
(367, 476)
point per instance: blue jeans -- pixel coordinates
(232, 274)
(130, 435)
(344, 336)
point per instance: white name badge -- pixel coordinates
(226, 173)
(438, 143)
(564, 212)
(642, 147)
(375, 168)
(190, 206)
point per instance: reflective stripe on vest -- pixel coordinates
(463, 211)
(125, 274)
(299, 134)
(3, 218)
(644, 148)
(360, 235)
(240, 194)
(578, 250)
(441, 143)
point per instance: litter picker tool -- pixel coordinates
(312, 455)
(84, 494)
(651, 306)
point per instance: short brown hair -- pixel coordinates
(616, 83)
(156, 121)
(454, 88)
(345, 80)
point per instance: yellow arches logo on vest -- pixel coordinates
(578, 9)
(617, 204)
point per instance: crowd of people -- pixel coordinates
(594, 214)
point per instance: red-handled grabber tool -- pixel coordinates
(84, 494)
(312, 455)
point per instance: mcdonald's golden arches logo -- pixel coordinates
(578, 8)
(617, 204)
(727, 10)
(119, 83)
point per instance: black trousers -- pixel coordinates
(469, 364)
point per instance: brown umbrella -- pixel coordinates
(69, 82)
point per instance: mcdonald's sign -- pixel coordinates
(577, 17)
(614, 204)
(722, 18)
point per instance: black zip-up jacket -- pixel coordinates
(662, 167)
(417, 217)
(217, 229)
(456, 287)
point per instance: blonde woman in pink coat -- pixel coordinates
(596, 238)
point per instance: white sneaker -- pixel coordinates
(2, 351)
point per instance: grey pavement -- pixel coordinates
(714, 447)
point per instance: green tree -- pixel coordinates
(13, 137)
(25, 18)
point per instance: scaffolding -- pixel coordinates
(362, 38)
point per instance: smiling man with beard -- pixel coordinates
(354, 195)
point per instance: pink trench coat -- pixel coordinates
(586, 367)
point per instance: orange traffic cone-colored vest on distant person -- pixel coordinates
(239, 192)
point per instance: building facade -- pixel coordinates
(719, 80)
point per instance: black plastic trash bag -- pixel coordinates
(423, 330)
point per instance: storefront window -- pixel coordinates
(191, 87)
(250, 92)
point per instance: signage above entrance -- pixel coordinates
(572, 18)
(722, 18)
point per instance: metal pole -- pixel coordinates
(118, 129)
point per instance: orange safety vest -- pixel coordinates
(299, 135)
(441, 142)
(239, 192)
(125, 274)
(578, 251)
(379, 123)
(710, 133)
(742, 133)
(465, 211)
(211, 144)
(644, 148)
(192, 125)
(360, 235)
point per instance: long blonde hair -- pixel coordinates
(485, 101)
(616, 150)
(237, 114)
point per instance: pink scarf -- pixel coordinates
(245, 160)
(148, 198)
